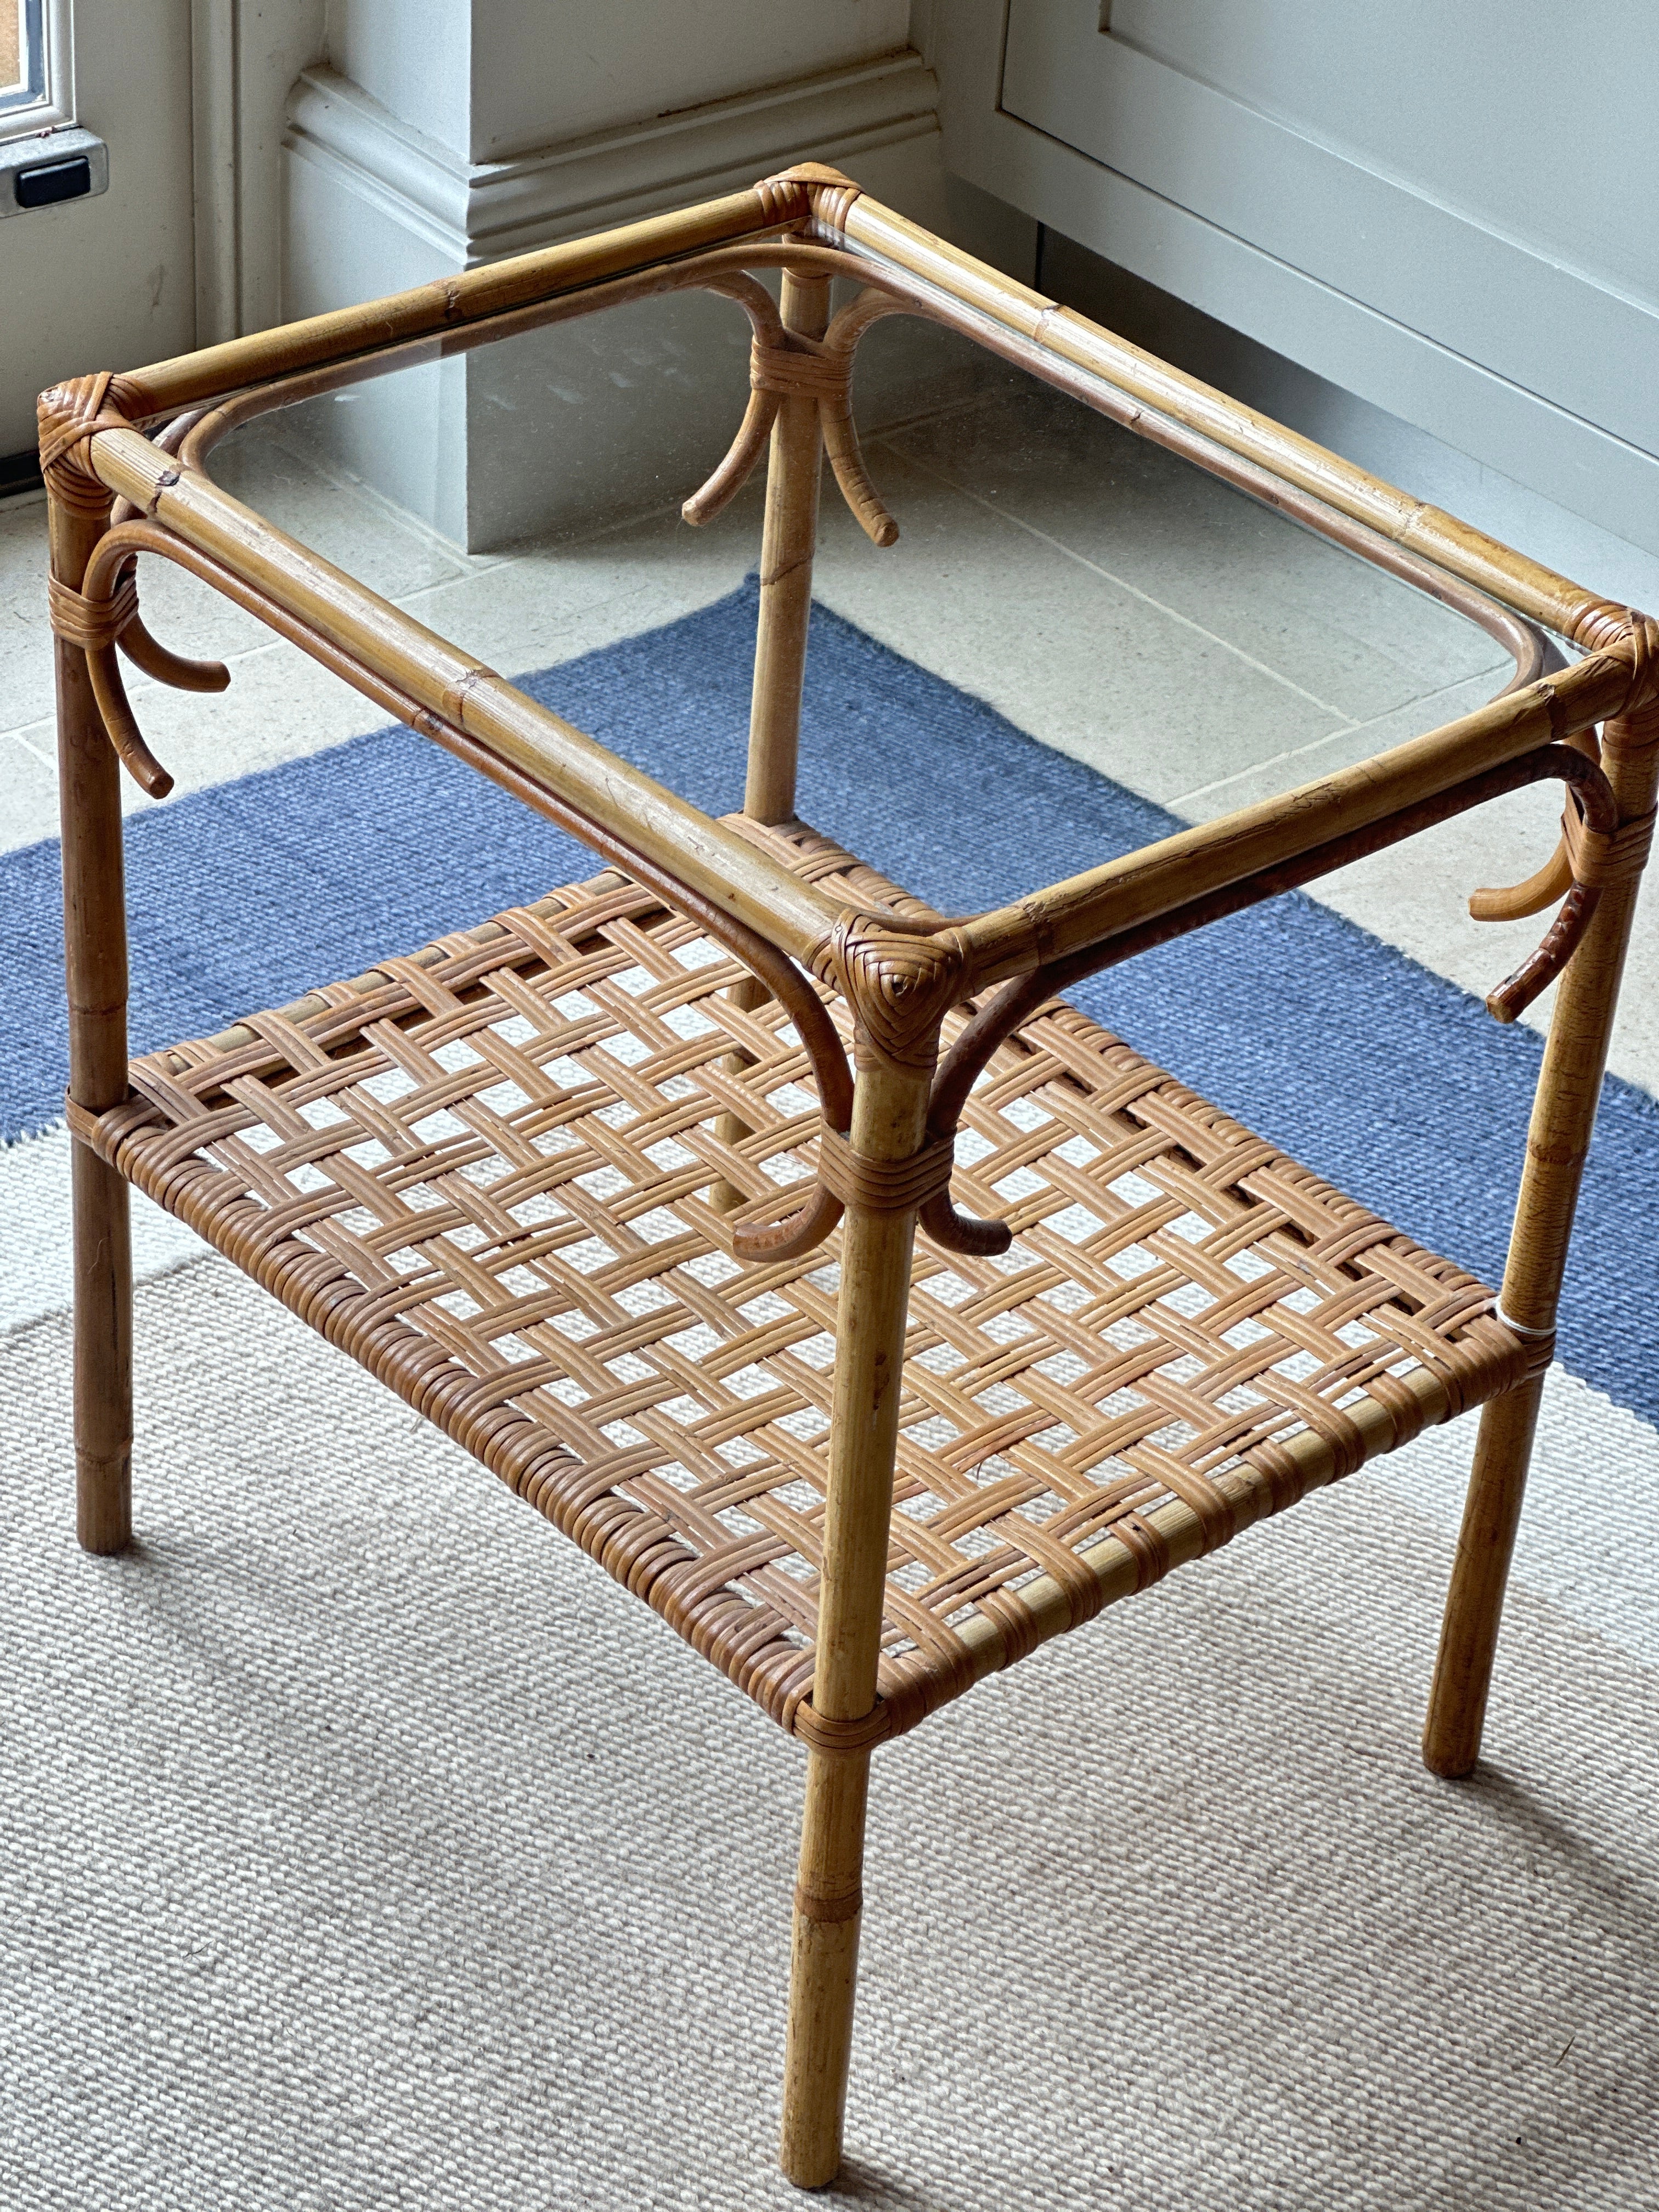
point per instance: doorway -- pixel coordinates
(96, 254)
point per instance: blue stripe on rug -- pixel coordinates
(1387, 1079)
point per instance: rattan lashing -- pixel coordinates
(485, 1173)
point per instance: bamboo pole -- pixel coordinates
(788, 540)
(95, 970)
(1119, 893)
(890, 1113)
(824, 1959)
(1558, 1143)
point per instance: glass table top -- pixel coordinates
(1110, 600)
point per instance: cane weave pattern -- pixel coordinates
(485, 1171)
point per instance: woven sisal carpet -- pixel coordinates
(361, 1844)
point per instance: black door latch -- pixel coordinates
(53, 181)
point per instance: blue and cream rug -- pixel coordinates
(362, 1845)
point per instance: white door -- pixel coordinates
(103, 277)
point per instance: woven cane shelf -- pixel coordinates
(795, 1249)
(485, 1172)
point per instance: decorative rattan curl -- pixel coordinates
(845, 1176)
(785, 364)
(1600, 627)
(104, 614)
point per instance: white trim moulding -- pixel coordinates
(480, 211)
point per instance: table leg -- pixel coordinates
(96, 970)
(1558, 1143)
(888, 1114)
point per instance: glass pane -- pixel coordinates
(1106, 597)
(21, 55)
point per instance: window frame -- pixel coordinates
(45, 100)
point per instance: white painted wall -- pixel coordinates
(541, 72)
(244, 57)
(415, 57)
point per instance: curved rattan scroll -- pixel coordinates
(104, 615)
(785, 364)
(1599, 625)
(109, 575)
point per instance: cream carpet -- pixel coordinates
(365, 1846)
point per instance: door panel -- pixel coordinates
(106, 282)
(1508, 115)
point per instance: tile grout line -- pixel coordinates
(1123, 585)
(1296, 753)
(34, 751)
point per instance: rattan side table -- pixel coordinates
(545, 1177)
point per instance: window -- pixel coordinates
(22, 58)
(36, 78)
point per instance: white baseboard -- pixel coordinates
(472, 212)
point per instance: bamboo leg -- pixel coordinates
(823, 1958)
(95, 967)
(888, 1116)
(1474, 1603)
(1557, 1142)
(788, 540)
